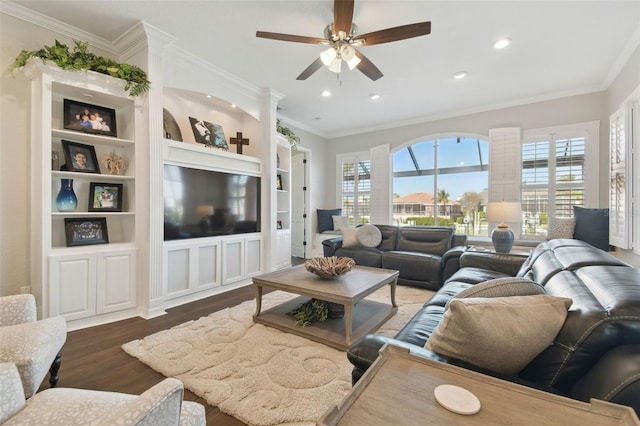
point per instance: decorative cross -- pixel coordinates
(238, 141)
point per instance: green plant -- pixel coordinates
(80, 59)
(287, 133)
(310, 311)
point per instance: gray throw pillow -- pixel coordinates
(560, 227)
(325, 219)
(501, 334)
(502, 287)
(592, 226)
(369, 235)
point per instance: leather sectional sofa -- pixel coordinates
(596, 353)
(425, 256)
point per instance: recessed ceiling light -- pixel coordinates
(208, 96)
(326, 93)
(233, 105)
(460, 75)
(374, 96)
(501, 44)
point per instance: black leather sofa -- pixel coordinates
(425, 256)
(596, 354)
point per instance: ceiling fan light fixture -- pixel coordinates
(353, 62)
(460, 75)
(347, 52)
(336, 65)
(327, 57)
(502, 43)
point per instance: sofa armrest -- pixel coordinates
(330, 246)
(615, 378)
(12, 393)
(504, 263)
(451, 261)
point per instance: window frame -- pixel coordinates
(355, 157)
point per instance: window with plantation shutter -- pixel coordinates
(619, 234)
(559, 170)
(355, 188)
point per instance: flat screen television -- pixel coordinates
(204, 203)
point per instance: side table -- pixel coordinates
(398, 390)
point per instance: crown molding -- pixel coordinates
(56, 26)
(623, 57)
(142, 36)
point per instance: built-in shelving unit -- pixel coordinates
(84, 281)
(283, 202)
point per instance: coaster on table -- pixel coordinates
(457, 399)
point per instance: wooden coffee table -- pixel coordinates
(360, 316)
(398, 389)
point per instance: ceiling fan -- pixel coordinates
(342, 39)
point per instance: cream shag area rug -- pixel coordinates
(258, 374)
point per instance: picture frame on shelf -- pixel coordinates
(279, 224)
(208, 133)
(86, 231)
(80, 157)
(88, 118)
(279, 182)
(105, 197)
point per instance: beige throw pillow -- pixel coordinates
(340, 222)
(560, 228)
(501, 334)
(349, 237)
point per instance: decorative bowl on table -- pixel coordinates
(329, 267)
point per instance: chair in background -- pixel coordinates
(160, 405)
(33, 346)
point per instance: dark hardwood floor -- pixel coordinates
(92, 357)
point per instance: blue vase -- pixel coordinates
(66, 201)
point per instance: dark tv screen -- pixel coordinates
(204, 203)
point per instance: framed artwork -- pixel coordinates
(80, 157)
(105, 197)
(208, 133)
(279, 224)
(279, 182)
(89, 118)
(86, 231)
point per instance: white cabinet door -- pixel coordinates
(116, 280)
(253, 256)
(72, 292)
(232, 260)
(283, 243)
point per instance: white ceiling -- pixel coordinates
(559, 48)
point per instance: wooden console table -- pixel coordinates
(398, 390)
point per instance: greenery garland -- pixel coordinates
(287, 133)
(80, 59)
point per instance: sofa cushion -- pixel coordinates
(592, 226)
(472, 275)
(560, 227)
(12, 393)
(503, 287)
(369, 236)
(501, 334)
(413, 266)
(363, 256)
(432, 240)
(325, 219)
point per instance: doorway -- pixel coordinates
(300, 198)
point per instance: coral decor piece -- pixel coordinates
(329, 267)
(113, 163)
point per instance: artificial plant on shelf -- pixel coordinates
(314, 310)
(287, 133)
(80, 59)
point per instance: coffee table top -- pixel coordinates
(352, 286)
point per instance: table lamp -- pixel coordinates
(502, 212)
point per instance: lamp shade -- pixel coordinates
(503, 211)
(502, 237)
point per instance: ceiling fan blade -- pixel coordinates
(289, 37)
(367, 67)
(342, 16)
(315, 66)
(394, 34)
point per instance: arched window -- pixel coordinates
(442, 181)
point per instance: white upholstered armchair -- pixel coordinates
(33, 346)
(160, 405)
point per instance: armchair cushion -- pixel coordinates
(32, 347)
(11, 392)
(17, 309)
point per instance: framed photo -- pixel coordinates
(208, 133)
(105, 197)
(279, 182)
(89, 118)
(86, 231)
(80, 157)
(279, 224)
